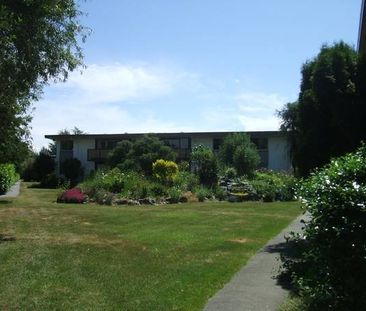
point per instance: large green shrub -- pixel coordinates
(239, 152)
(205, 165)
(271, 185)
(140, 154)
(8, 177)
(330, 272)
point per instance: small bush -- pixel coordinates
(113, 181)
(174, 195)
(157, 190)
(51, 181)
(220, 194)
(74, 195)
(186, 181)
(270, 184)
(165, 171)
(103, 197)
(264, 190)
(203, 193)
(230, 173)
(8, 177)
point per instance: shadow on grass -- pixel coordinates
(6, 238)
(35, 185)
(3, 202)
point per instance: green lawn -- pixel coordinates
(90, 257)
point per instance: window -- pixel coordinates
(67, 144)
(261, 143)
(178, 143)
(108, 144)
(184, 143)
(174, 143)
(217, 143)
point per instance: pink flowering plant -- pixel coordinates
(73, 195)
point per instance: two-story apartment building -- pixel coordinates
(92, 149)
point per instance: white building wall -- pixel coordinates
(278, 154)
(81, 146)
(205, 141)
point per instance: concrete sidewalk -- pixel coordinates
(13, 191)
(254, 287)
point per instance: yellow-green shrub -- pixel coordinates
(8, 177)
(165, 171)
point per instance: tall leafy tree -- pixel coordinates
(328, 118)
(38, 44)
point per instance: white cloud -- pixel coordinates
(247, 111)
(257, 111)
(117, 83)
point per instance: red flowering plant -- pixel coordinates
(73, 195)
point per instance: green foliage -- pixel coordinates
(330, 271)
(119, 153)
(114, 181)
(165, 171)
(203, 193)
(72, 170)
(51, 181)
(186, 181)
(239, 152)
(127, 184)
(220, 194)
(103, 197)
(184, 166)
(140, 154)
(157, 190)
(264, 190)
(245, 160)
(272, 185)
(328, 118)
(8, 177)
(43, 165)
(174, 194)
(206, 166)
(230, 173)
(38, 43)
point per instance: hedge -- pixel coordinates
(8, 177)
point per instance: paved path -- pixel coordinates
(254, 288)
(13, 191)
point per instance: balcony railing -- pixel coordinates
(99, 155)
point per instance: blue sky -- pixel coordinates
(191, 65)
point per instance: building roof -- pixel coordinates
(165, 135)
